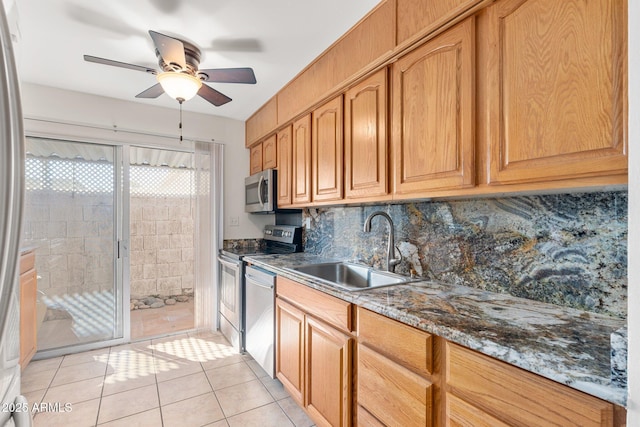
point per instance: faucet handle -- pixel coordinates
(394, 261)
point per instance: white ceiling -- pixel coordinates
(277, 38)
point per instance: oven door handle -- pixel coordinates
(229, 263)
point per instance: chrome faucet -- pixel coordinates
(391, 260)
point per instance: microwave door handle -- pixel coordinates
(260, 183)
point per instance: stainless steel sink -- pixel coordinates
(352, 277)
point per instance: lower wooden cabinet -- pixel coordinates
(462, 414)
(392, 374)
(391, 393)
(328, 385)
(290, 349)
(482, 388)
(28, 315)
(314, 357)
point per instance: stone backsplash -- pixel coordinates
(565, 249)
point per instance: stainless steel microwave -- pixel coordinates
(260, 192)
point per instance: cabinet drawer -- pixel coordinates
(407, 346)
(519, 397)
(330, 309)
(27, 261)
(392, 393)
(460, 413)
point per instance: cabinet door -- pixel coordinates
(28, 293)
(301, 161)
(269, 153)
(433, 113)
(365, 138)
(328, 377)
(327, 151)
(555, 82)
(284, 167)
(255, 159)
(290, 349)
(392, 393)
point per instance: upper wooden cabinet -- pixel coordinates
(415, 18)
(433, 114)
(483, 97)
(284, 166)
(301, 161)
(261, 122)
(554, 83)
(269, 153)
(365, 138)
(263, 155)
(327, 155)
(255, 159)
(362, 45)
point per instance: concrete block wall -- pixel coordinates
(73, 235)
(162, 242)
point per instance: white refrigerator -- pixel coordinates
(14, 409)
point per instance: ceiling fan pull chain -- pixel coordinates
(180, 125)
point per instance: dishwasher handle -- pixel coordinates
(260, 276)
(253, 282)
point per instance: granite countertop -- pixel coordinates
(569, 346)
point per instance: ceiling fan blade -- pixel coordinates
(171, 50)
(213, 96)
(111, 62)
(229, 75)
(153, 92)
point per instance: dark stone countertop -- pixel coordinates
(568, 346)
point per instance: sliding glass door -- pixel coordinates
(72, 219)
(162, 223)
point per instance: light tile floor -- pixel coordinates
(192, 379)
(165, 320)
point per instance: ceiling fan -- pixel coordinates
(179, 75)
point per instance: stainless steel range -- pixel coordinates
(279, 239)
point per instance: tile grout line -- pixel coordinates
(214, 395)
(46, 390)
(248, 364)
(155, 374)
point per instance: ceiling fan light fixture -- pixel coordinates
(179, 86)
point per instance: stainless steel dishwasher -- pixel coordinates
(260, 317)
